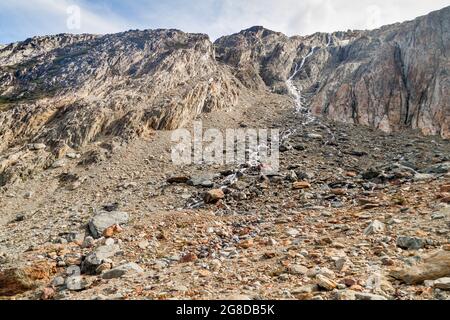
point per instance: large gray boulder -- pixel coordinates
(122, 270)
(104, 220)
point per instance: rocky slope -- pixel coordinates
(71, 94)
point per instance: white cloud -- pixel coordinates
(304, 17)
(40, 17)
(215, 17)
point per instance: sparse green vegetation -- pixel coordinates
(4, 104)
(7, 102)
(70, 55)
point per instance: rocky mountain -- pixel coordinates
(392, 78)
(69, 89)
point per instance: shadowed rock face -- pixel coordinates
(391, 78)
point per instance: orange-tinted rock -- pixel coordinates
(111, 231)
(14, 282)
(301, 185)
(246, 244)
(339, 192)
(433, 266)
(48, 293)
(190, 257)
(213, 196)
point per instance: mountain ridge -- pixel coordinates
(68, 91)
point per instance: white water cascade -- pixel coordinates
(329, 40)
(296, 93)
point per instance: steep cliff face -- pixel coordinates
(123, 84)
(68, 91)
(391, 78)
(261, 57)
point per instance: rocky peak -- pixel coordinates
(391, 78)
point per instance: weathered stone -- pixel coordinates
(307, 289)
(202, 181)
(73, 155)
(73, 271)
(58, 281)
(433, 266)
(371, 174)
(410, 243)
(14, 282)
(96, 258)
(293, 232)
(88, 242)
(438, 168)
(314, 136)
(189, 257)
(76, 283)
(144, 244)
(341, 264)
(375, 227)
(47, 293)
(246, 244)
(58, 164)
(301, 185)
(423, 177)
(298, 270)
(122, 270)
(339, 192)
(37, 146)
(103, 267)
(368, 296)
(325, 283)
(112, 230)
(178, 179)
(443, 284)
(100, 222)
(346, 295)
(444, 197)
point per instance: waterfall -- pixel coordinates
(296, 92)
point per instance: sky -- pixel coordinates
(21, 19)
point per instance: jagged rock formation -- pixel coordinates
(391, 78)
(67, 91)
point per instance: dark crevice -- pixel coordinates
(403, 72)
